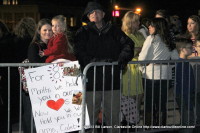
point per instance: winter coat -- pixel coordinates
(21, 48)
(33, 52)
(57, 48)
(107, 44)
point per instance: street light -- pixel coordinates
(116, 7)
(138, 10)
(116, 12)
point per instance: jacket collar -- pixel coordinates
(104, 29)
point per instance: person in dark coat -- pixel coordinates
(100, 41)
(22, 36)
(5, 57)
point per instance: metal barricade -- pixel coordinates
(164, 116)
(8, 68)
(174, 113)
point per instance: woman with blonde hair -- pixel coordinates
(133, 90)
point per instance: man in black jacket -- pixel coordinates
(99, 41)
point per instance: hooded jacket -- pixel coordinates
(91, 6)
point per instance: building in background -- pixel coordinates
(11, 11)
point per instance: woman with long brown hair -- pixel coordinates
(193, 30)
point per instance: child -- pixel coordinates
(185, 83)
(58, 48)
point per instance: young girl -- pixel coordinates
(58, 48)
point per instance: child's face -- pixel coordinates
(187, 50)
(56, 26)
(197, 47)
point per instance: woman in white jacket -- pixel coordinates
(157, 46)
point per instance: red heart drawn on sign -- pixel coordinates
(55, 105)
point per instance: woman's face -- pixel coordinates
(151, 30)
(136, 25)
(192, 26)
(46, 32)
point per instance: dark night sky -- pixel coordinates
(183, 8)
(180, 7)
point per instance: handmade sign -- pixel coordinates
(56, 97)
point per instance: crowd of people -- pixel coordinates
(138, 39)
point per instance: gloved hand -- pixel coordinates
(122, 63)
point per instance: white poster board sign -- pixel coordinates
(56, 96)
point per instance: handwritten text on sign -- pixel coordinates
(56, 97)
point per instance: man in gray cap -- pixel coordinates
(99, 41)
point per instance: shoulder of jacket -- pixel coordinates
(156, 38)
(82, 29)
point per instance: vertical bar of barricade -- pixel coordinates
(152, 101)
(195, 101)
(169, 69)
(112, 102)
(129, 85)
(182, 94)
(160, 95)
(94, 96)
(121, 84)
(9, 100)
(144, 97)
(103, 98)
(174, 98)
(32, 122)
(20, 102)
(84, 80)
(137, 96)
(188, 123)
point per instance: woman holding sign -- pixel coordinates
(39, 43)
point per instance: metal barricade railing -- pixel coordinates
(173, 111)
(173, 121)
(10, 66)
